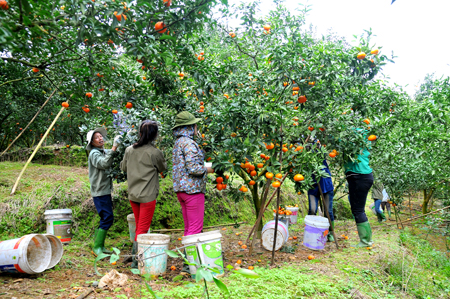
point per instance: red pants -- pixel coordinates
(143, 214)
(193, 208)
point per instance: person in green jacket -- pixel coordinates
(360, 178)
(99, 163)
(377, 196)
(142, 163)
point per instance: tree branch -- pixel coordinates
(21, 79)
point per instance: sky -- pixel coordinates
(415, 30)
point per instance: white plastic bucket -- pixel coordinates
(30, 254)
(57, 250)
(132, 226)
(209, 248)
(293, 217)
(268, 232)
(316, 231)
(286, 219)
(59, 224)
(150, 245)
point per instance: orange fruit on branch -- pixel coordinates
(219, 180)
(295, 88)
(372, 138)
(301, 99)
(298, 177)
(276, 184)
(269, 175)
(361, 55)
(270, 146)
(310, 128)
(266, 27)
(374, 52)
(35, 70)
(252, 182)
(332, 154)
(129, 105)
(89, 94)
(160, 27)
(232, 34)
(253, 173)
(367, 121)
(4, 5)
(114, 111)
(65, 104)
(279, 176)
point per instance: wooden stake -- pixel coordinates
(36, 149)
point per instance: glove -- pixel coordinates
(117, 140)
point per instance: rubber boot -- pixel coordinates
(382, 217)
(134, 263)
(99, 243)
(104, 249)
(330, 237)
(379, 217)
(365, 235)
(389, 213)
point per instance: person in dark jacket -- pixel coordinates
(99, 163)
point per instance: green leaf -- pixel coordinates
(247, 273)
(171, 253)
(149, 288)
(99, 257)
(177, 278)
(221, 286)
(135, 271)
(168, 37)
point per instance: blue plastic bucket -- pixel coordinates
(151, 249)
(316, 231)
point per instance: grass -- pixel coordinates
(401, 264)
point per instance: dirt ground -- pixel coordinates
(74, 276)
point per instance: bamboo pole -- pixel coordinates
(275, 232)
(31, 121)
(326, 212)
(36, 149)
(421, 216)
(182, 229)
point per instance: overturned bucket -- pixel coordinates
(59, 224)
(316, 231)
(30, 254)
(267, 235)
(57, 250)
(151, 250)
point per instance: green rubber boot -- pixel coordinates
(382, 217)
(389, 213)
(365, 235)
(99, 243)
(330, 237)
(134, 264)
(379, 218)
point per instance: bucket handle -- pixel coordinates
(140, 256)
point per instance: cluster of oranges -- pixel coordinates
(201, 57)
(4, 5)
(219, 180)
(344, 236)
(282, 211)
(202, 107)
(86, 108)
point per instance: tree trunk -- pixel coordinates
(426, 199)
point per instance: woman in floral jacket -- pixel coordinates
(189, 173)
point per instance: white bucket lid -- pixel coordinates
(130, 217)
(58, 211)
(202, 237)
(153, 239)
(317, 221)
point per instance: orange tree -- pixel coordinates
(100, 55)
(412, 155)
(268, 89)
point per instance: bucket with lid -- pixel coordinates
(316, 231)
(30, 254)
(267, 235)
(294, 215)
(59, 224)
(151, 253)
